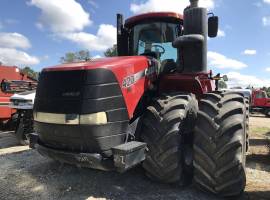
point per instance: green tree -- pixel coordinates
(30, 72)
(70, 57)
(111, 52)
(222, 84)
(83, 55)
(268, 91)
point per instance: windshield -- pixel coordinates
(155, 39)
(261, 94)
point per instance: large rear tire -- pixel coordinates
(220, 144)
(164, 123)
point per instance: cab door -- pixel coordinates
(260, 99)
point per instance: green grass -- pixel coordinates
(264, 131)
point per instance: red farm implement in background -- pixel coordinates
(260, 102)
(12, 81)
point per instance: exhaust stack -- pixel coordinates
(194, 3)
(196, 29)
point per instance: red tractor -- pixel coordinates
(155, 104)
(260, 102)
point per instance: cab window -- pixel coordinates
(155, 39)
(261, 95)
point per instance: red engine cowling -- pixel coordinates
(9, 73)
(87, 107)
(196, 83)
(133, 74)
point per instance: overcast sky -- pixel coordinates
(39, 32)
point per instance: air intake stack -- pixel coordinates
(193, 44)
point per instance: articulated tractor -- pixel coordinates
(156, 104)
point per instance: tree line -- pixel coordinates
(84, 55)
(70, 57)
(267, 90)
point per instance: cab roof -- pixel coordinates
(153, 16)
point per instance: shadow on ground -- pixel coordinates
(46, 179)
(28, 175)
(259, 195)
(8, 139)
(259, 162)
(258, 142)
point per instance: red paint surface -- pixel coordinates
(8, 73)
(130, 21)
(259, 102)
(121, 67)
(196, 83)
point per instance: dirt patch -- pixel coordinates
(258, 121)
(258, 159)
(24, 174)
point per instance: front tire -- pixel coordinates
(164, 123)
(24, 126)
(267, 112)
(220, 144)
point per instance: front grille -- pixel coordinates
(80, 92)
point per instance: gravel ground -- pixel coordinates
(24, 174)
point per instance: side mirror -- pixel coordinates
(120, 23)
(225, 78)
(122, 37)
(212, 26)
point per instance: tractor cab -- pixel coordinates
(166, 37)
(153, 35)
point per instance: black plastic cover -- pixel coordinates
(82, 92)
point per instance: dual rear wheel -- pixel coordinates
(216, 131)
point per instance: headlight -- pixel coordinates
(53, 118)
(71, 119)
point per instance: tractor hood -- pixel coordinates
(87, 106)
(128, 62)
(129, 75)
